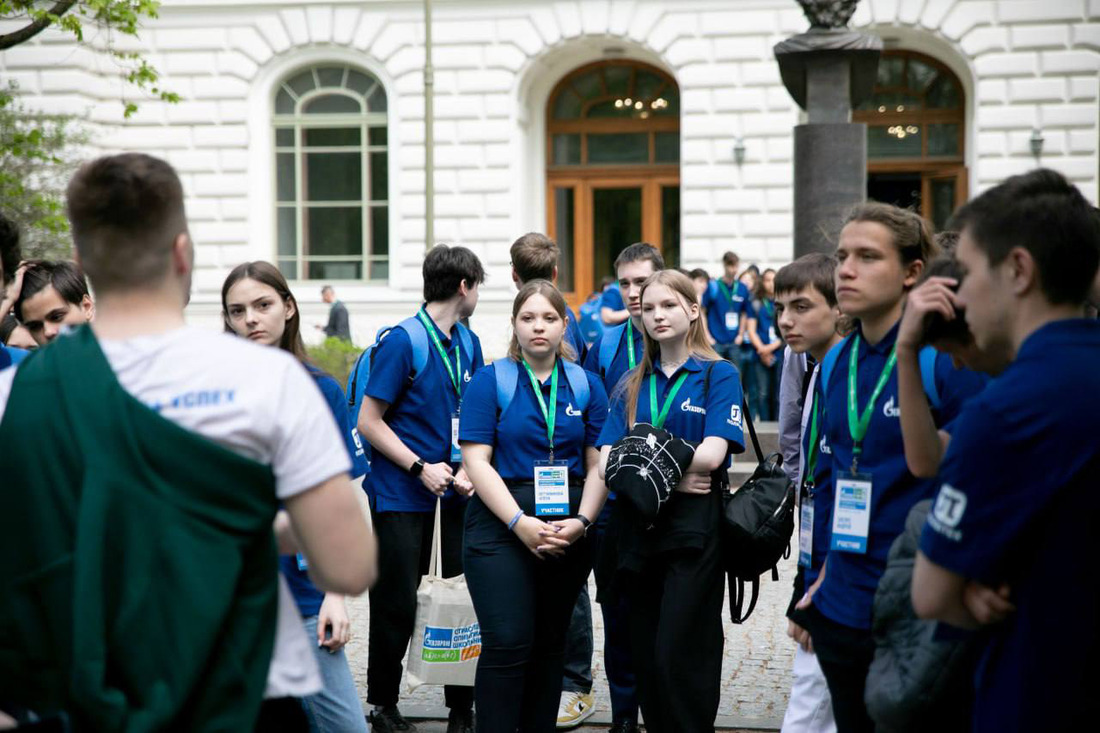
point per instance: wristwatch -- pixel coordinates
(417, 467)
(585, 521)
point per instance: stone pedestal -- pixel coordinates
(828, 71)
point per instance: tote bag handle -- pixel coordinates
(435, 564)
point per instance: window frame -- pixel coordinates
(298, 122)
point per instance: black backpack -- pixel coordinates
(757, 524)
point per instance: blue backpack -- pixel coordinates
(360, 373)
(589, 320)
(507, 376)
(927, 370)
(610, 344)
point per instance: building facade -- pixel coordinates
(300, 135)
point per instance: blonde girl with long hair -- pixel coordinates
(672, 573)
(528, 433)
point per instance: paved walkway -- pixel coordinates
(755, 673)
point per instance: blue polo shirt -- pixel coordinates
(851, 579)
(720, 299)
(10, 356)
(764, 313)
(518, 436)
(420, 414)
(822, 496)
(305, 593)
(613, 298)
(692, 416)
(574, 336)
(620, 362)
(1018, 503)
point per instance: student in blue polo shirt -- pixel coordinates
(765, 359)
(535, 257)
(1007, 544)
(257, 304)
(728, 303)
(410, 418)
(810, 320)
(615, 353)
(528, 441)
(675, 594)
(881, 252)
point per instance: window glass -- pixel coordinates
(331, 181)
(618, 148)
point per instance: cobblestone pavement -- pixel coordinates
(755, 674)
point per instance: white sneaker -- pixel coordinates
(575, 708)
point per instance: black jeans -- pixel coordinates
(404, 550)
(845, 655)
(676, 638)
(524, 605)
(282, 715)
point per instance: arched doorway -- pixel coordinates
(613, 168)
(916, 136)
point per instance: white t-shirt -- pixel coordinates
(256, 401)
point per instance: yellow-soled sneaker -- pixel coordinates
(575, 708)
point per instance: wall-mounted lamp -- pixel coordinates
(1035, 142)
(739, 151)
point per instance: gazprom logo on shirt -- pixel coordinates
(735, 415)
(686, 406)
(948, 512)
(823, 446)
(891, 409)
(572, 412)
(466, 376)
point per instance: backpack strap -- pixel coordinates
(465, 338)
(418, 336)
(928, 357)
(737, 598)
(609, 345)
(578, 383)
(506, 372)
(829, 362)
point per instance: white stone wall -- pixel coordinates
(1024, 64)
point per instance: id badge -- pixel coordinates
(731, 321)
(772, 335)
(456, 451)
(302, 564)
(851, 512)
(552, 488)
(806, 532)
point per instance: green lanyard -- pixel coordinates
(770, 311)
(858, 424)
(726, 291)
(630, 344)
(456, 373)
(660, 417)
(551, 413)
(811, 460)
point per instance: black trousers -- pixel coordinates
(676, 638)
(845, 655)
(524, 605)
(404, 551)
(282, 715)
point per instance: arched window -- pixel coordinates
(331, 180)
(613, 168)
(916, 135)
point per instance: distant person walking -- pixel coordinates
(337, 325)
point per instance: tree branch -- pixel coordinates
(33, 29)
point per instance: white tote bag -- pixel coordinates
(446, 640)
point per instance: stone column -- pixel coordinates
(828, 70)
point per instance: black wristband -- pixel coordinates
(416, 468)
(584, 520)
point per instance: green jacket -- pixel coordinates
(137, 562)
